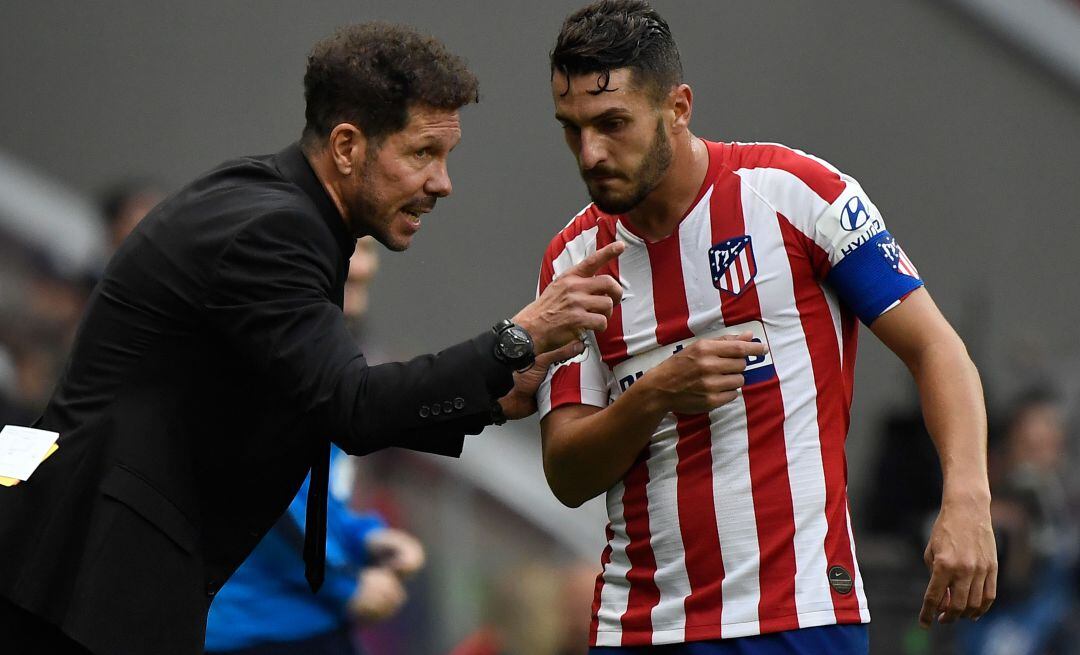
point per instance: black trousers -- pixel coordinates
(24, 633)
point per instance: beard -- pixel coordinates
(646, 177)
(373, 217)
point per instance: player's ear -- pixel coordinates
(347, 147)
(681, 104)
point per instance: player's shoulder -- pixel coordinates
(775, 167)
(581, 228)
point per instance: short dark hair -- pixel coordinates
(611, 34)
(370, 75)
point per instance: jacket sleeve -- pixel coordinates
(271, 300)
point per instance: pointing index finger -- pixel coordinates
(594, 262)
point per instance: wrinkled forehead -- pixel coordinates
(432, 123)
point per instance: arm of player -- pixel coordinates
(588, 449)
(961, 554)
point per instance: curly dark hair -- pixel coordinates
(370, 74)
(611, 34)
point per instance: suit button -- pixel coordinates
(459, 403)
(425, 411)
(447, 406)
(435, 409)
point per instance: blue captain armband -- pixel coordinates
(874, 276)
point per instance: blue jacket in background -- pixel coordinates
(268, 599)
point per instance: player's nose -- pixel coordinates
(591, 152)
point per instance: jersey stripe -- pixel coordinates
(566, 385)
(692, 503)
(605, 558)
(822, 179)
(766, 448)
(636, 621)
(612, 342)
(791, 355)
(669, 293)
(632, 330)
(820, 335)
(666, 490)
(860, 590)
(731, 595)
(584, 219)
(696, 470)
(667, 527)
(703, 606)
(614, 593)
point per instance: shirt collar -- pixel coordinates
(294, 166)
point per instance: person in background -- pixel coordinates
(267, 608)
(536, 608)
(124, 204)
(1038, 535)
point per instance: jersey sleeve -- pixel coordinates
(583, 380)
(868, 269)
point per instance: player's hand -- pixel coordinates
(521, 401)
(577, 300)
(379, 595)
(962, 558)
(396, 550)
(704, 375)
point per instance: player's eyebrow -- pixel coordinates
(613, 112)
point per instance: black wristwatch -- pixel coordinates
(513, 345)
(497, 415)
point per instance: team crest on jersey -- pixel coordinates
(854, 214)
(732, 264)
(897, 258)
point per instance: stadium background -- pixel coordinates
(966, 135)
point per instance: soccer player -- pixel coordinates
(724, 467)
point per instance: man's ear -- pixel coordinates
(681, 104)
(347, 146)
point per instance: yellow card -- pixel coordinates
(11, 482)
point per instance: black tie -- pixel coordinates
(315, 523)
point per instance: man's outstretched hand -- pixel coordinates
(576, 301)
(521, 401)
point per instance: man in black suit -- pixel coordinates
(213, 364)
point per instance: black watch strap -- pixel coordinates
(497, 415)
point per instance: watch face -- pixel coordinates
(515, 343)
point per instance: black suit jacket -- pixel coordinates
(212, 363)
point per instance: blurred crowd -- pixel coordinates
(1036, 514)
(532, 598)
(41, 302)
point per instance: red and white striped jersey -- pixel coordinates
(736, 522)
